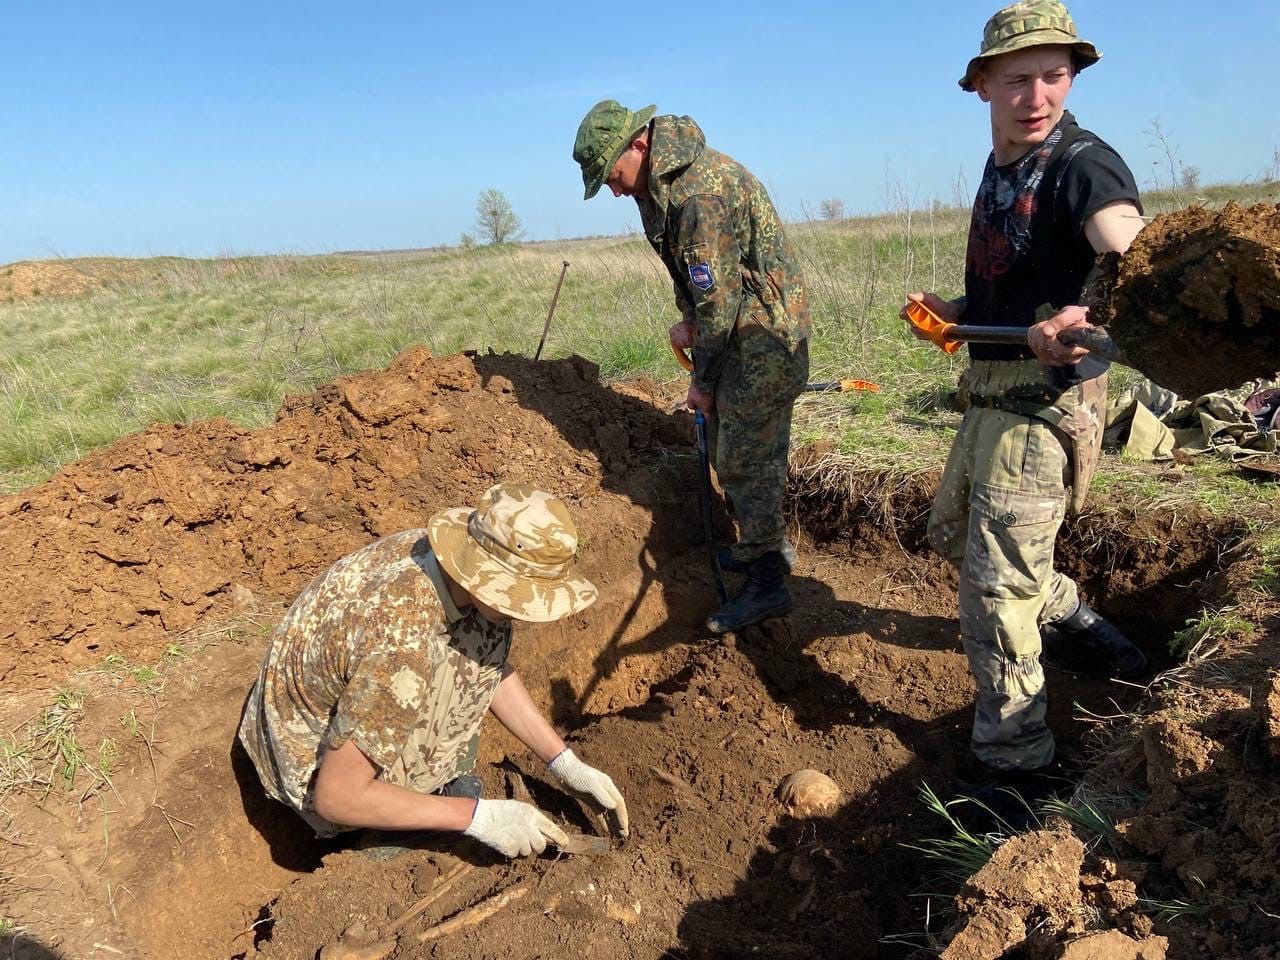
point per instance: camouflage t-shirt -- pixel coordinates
(374, 651)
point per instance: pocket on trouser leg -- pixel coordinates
(767, 376)
(1008, 568)
(1009, 550)
(999, 445)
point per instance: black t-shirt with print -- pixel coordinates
(1026, 237)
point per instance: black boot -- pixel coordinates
(765, 595)
(724, 556)
(463, 786)
(1011, 801)
(1086, 643)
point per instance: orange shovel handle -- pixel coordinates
(932, 326)
(685, 360)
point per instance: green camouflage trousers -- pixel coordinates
(996, 516)
(750, 433)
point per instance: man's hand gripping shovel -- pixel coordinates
(948, 336)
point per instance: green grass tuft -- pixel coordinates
(961, 854)
(1167, 911)
(1208, 629)
(1267, 548)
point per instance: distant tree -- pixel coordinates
(1189, 177)
(831, 209)
(467, 240)
(496, 222)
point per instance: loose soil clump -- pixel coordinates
(1195, 302)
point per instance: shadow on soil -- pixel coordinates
(293, 844)
(22, 947)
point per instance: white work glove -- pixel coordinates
(513, 828)
(582, 779)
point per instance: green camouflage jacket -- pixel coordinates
(715, 228)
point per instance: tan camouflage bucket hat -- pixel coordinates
(1034, 23)
(514, 553)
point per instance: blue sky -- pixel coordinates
(158, 128)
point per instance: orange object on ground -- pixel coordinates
(843, 386)
(931, 325)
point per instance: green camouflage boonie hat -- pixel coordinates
(1033, 23)
(514, 553)
(602, 136)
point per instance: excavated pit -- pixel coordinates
(182, 527)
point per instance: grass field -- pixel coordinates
(171, 339)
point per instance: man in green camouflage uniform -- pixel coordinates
(744, 312)
(1053, 196)
(368, 707)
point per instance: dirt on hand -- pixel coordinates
(1195, 302)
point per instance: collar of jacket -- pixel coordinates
(674, 143)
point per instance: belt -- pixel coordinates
(1039, 403)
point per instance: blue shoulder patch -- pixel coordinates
(700, 275)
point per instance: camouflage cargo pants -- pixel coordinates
(750, 433)
(996, 515)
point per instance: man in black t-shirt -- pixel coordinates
(1052, 197)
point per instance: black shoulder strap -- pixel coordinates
(1074, 139)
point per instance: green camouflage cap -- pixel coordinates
(1033, 23)
(602, 136)
(514, 553)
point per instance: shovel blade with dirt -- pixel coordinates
(1194, 304)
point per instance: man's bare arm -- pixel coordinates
(348, 792)
(516, 711)
(1113, 228)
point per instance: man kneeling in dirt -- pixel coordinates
(1052, 197)
(745, 314)
(367, 711)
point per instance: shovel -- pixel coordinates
(704, 488)
(949, 336)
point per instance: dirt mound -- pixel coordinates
(1210, 819)
(43, 280)
(1195, 302)
(1033, 895)
(140, 540)
(1030, 881)
(1192, 855)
